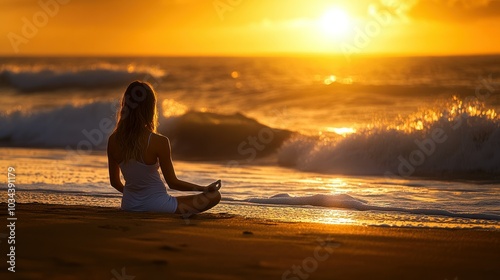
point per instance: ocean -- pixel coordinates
(376, 141)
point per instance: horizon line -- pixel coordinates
(250, 55)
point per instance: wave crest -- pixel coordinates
(345, 201)
(457, 139)
(212, 136)
(194, 135)
(44, 78)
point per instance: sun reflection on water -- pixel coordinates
(454, 111)
(343, 131)
(172, 108)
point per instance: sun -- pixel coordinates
(335, 22)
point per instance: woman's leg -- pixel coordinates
(192, 204)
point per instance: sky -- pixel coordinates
(249, 27)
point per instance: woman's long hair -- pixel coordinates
(137, 116)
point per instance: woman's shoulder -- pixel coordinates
(159, 138)
(159, 143)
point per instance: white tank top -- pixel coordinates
(144, 190)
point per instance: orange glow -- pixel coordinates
(171, 108)
(344, 131)
(187, 27)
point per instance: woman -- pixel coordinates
(138, 151)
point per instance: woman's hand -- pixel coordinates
(215, 186)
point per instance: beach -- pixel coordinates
(364, 179)
(347, 139)
(83, 242)
(329, 170)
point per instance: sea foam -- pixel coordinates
(455, 139)
(345, 201)
(459, 140)
(44, 78)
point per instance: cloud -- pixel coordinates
(455, 10)
(465, 3)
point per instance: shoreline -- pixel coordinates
(268, 161)
(286, 212)
(85, 242)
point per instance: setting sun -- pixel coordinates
(335, 22)
(249, 28)
(283, 139)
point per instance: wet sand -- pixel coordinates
(77, 242)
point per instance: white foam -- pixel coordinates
(93, 76)
(58, 127)
(345, 201)
(469, 142)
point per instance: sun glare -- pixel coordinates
(335, 22)
(343, 131)
(172, 108)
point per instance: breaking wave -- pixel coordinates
(456, 139)
(44, 78)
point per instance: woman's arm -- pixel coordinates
(114, 170)
(167, 167)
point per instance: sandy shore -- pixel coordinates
(75, 242)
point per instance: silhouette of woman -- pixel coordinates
(138, 151)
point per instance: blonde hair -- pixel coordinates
(137, 116)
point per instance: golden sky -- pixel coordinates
(248, 27)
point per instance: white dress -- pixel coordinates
(144, 190)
